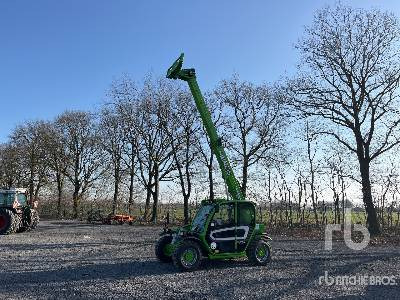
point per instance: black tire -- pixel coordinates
(259, 252)
(22, 227)
(8, 221)
(159, 248)
(179, 257)
(35, 219)
(28, 221)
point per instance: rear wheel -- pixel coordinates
(187, 256)
(160, 248)
(259, 252)
(8, 221)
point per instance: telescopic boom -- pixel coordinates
(189, 75)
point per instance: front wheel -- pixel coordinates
(187, 256)
(35, 219)
(259, 252)
(160, 248)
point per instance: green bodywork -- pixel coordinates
(197, 230)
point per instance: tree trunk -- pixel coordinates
(75, 198)
(77, 186)
(131, 182)
(244, 173)
(155, 194)
(186, 208)
(131, 178)
(116, 190)
(147, 204)
(149, 187)
(31, 184)
(372, 221)
(59, 194)
(314, 204)
(130, 201)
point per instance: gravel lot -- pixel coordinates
(65, 259)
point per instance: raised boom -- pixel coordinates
(189, 75)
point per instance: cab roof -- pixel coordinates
(13, 190)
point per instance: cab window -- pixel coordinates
(7, 198)
(21, 199)
(225, 216)
(246, 214)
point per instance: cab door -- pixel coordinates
(221, 232)
(246, 221)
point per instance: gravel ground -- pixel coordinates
(65, 259)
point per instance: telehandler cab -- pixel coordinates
(221, 229)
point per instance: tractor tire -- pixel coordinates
(22, 227)
(187, 257)
(259, 252)
(34, 219)
(8, 221)
(159, 248)
(29, 222)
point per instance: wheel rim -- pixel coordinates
(262, 252)
(2, 222)
(189, 257)
(166, 251)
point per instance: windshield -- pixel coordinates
(7, 199)
(201, 217)
(21, 199)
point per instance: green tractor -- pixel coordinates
(221, 229)
(17, 214)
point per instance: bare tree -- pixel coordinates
(12, 168)
(154, 153)
(349, 79)
(30, 146)
(123, 94)
(57, 158)
(182, 129)
(112, 139)
(87, 163)
(312, 169)
(254, 121)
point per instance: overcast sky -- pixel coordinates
(58, 55)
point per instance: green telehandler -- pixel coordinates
(222, 228)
